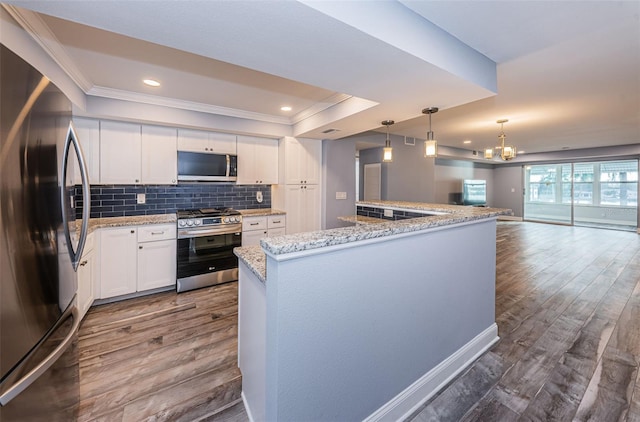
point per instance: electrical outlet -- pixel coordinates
(142, 198)
(341, 195)
(388, 213)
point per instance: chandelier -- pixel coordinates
(507, 152)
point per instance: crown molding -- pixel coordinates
(320, 106)
(117, 94)
(40, 32)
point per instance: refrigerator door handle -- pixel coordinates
(42, 367)
(72, 139)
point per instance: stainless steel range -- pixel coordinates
(206, 238)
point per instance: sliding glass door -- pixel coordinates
(600, 194)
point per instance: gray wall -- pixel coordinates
(339, 175)
(508, 188)
(346, 332)
(449, 175)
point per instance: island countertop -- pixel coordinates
(444, 215)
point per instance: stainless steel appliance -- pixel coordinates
(39, 249)
(206, 238)
(207, 167)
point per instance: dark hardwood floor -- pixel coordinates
(568, 314)
(164, 357)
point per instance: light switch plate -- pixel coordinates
(341, 195)
(142, 198)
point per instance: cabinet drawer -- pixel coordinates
(254, 223)
(281, 231)
(156, 232)
(275, 221)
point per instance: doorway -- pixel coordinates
(594, 194)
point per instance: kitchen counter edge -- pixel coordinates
(254, 257)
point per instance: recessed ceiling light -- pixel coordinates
(285, 108)
(151, 82)
(466, 142)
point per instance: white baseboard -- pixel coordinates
(414, 396)
(509, 218)
(246, 407)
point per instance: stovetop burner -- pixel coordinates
(208, 217)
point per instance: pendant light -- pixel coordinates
(430, 145)
(507, 152)
(387, 154)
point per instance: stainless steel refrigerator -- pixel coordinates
(40, 246)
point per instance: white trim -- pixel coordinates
(285, 256)
(246, 407)
(509, 218)
(33, 24)
(117, 94)
(320, 106)
(414, 396)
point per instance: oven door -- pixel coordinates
(206, 251)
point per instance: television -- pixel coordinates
(474, 192)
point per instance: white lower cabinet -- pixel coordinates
(87, 276)
(118, 261)
(134, 259)
(256, 228)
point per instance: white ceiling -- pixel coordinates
(567, 73)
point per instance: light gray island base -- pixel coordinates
(368, 329)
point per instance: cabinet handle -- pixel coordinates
(140, 247)
(83, 263)
(133, 231)
(276, 222)
(253, 224)
(302, 181)
(162, 232)
(137, 180)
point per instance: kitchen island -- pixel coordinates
(366, 322)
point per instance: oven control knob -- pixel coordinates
(236, 220)
(181, 223)
(189, 223)
(226, 219)
(197, 222)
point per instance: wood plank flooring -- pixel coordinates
(568, 314)
(164, 357)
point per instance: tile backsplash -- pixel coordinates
(379, 213)
(121, 200)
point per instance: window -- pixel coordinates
(619, 183)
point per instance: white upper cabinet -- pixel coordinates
(208, 142)
(120, 153)
(159, 164)
(257, 161)
(88, 131)
(301, 161)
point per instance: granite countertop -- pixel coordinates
(260, 212)
(138, 220)
(361, 219)
(447, 215)
(254, 257)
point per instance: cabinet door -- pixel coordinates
(118, 261)
(246, 161)
(266, 155)
(310, 208)
(253, 237)
(156, 264)
(86, 293)
(293, 161)
(311, 157)
(293, 205)
(276, 232)
(222, 143)
(88, 131)
(159, 156)
(193, 140)
(120, 149)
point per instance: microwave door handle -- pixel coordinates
(228, 165)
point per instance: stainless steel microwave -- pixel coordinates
(202, 167)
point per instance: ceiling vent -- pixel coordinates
(330, 131)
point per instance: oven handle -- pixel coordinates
(185, 234)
